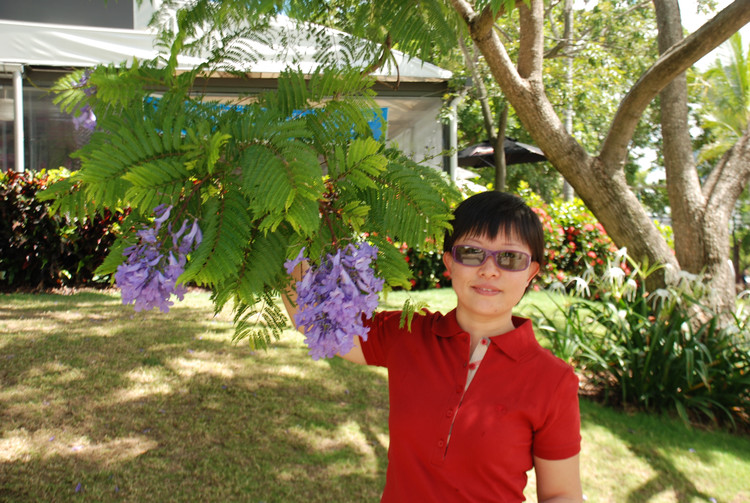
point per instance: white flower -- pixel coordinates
(620, 255)
(660, 296)
(630, 290)
(614, 275)
(581, 286)
(557, 286)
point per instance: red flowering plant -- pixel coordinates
(576, 243)
(40, 249)
(426, 266)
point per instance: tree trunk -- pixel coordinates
(701, 239)
(602, 188)
(499, 148)
(683, 187)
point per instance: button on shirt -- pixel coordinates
(465, 427)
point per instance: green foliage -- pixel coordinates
(422, 30)
(41, 250)
(605, 39)
(724, 116)
(655, 350)
(725, 93)
(410, 309)
(295, 167)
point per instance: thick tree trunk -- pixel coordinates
(685, 197)
(722, 189)
(701, 232)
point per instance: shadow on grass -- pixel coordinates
(99, 403)
(659, 443)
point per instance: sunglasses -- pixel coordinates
(473, 256)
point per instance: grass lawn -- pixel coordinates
(99, 403)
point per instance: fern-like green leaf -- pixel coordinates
(408, 312)
(263, 263)
(260, 325)
(228, 228)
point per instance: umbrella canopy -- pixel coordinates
(483, 154)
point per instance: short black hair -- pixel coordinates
(492, 212)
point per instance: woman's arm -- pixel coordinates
(558, 480)
(290, 303)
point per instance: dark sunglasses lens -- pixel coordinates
(468, 255)
(512, 260)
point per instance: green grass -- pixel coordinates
(99, 403)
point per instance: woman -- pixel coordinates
(475, 402)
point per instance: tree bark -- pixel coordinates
(683, 186)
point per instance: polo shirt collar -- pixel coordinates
(515, 343)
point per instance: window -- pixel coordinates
(50, 135)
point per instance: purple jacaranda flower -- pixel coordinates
(83, 83)
(334, 297)
(161, 213)
(148, 278)
(85, 119)
(289, 265)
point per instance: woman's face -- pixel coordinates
(487, 293)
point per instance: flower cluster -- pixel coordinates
(149, 275)
(333, 298)
(86, 118)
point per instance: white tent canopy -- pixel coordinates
(44, 44)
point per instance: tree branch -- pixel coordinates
(531, 47)
(673, 62)
(465, 10)
(730, 177)
(492, 49)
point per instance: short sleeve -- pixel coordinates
(559, 436)
(384, 327)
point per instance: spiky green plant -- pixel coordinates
(654, 350)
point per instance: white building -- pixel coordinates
(42, 40)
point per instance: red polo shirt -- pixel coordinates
(451, 443)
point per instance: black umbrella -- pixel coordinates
(483, 154)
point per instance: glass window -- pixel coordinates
(50, 135)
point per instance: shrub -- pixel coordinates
(648, 349)
(426, 266)
(575, 241)
(39, 250)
